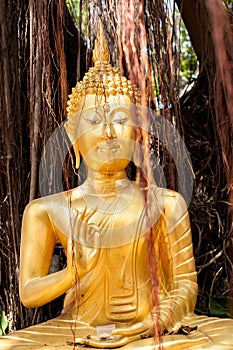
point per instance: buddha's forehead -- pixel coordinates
(95, 101)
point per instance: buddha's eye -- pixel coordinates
(93, 118)
(120, 118)
(119, 121)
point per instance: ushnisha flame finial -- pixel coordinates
(102, 78)
(101, 51)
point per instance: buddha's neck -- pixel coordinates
(106, 183)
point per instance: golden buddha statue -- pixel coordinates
(112, 298)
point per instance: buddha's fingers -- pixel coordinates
(106, 344)
(90, 214)
(136, 329)
(81, 226)
(83, 213)
(96, 237)
(93, 237)
(104, 222)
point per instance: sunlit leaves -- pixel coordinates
(3, 322)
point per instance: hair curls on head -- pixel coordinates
(102, 78)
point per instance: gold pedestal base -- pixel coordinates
(212, 333)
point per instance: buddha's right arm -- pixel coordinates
(37, 286)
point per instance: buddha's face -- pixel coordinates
(105, 133)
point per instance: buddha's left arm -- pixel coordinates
(180, 281)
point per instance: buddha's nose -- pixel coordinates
(109, 131)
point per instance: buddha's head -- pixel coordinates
(100, 114)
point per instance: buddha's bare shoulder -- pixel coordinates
(48, 205)
(171, 202)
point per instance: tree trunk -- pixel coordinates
(33, 87)
(209, 24)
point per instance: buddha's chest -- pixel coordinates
(120, 282)
(126, 267)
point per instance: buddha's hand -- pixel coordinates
(140, 330)
(84, 245)
(119, 337)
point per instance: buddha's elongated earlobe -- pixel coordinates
(77, 155)
(137, 156)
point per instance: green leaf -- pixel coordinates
(221, 306)
(3, 322)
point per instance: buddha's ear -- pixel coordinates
(137, 147)
(77, 155)
(137, 156)
(69, 127)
